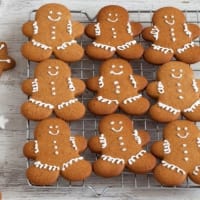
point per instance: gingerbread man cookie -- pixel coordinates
(52, 32)
(6, 62)
(171, 36)
(177, 92)
(180, 153)
(53, 89)
(120, 145)
(113, 33)
(117, 86)
(56, 153)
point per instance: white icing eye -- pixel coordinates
(185, 128)
(49, 67)
(173, 70)
(178, 128)
(121, 66)
(181, 70)
(57, 67)
(165, 16)
(59, 13)
(109, 14)
(112, 123)
(172, 16)
(120, 122)
(50, 127)
(113, 66)
(50, 12)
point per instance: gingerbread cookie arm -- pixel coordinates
(152, 89)
(80, 143)
(147, 34)
(136, 28)
(78, 29)
(141, 82)
(92, 83)
(27, 86)
(144, 135)
(27, 28)
(90, 30)
(94, 144)
(195, 30)
(30, 149)
(79, 86)
(157, 149)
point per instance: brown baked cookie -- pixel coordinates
(53, 89)
(6, 62)
(171, 36)
(180, 153)
(56, 153)
(52, 32)
(120, 145)
(177, 92)
(113, 33)
(117, 87)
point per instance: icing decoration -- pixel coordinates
(166, 146)
(73, 141)
(41, 45)
(192, 107)
(71, 162)
(168, 108)
(53, 73)
(161, 89)
(102, 141)
(53, 89)
(67, 103)
(35, 85)
(194, 85)
(173, 167)
(5, 60)
(185, 47)
(104, 46)
(126, 45)
(71, 85)
(134, 158)
(108, 101)
(133, 81)
(198, 141)
(112, 20)
(2, 46)
(196, 170)
(155, 32)
(53, 33)
(64, 45)
(97, 29)
(165, 50)
(132, 99)
(186, 30)
(54, 19)
(129, 29)
(172, 34)
(35, 28)
(114, 33)
(116, 73)
(172, 22)
(137, 137)
(117, 87)
(54, 133)
(112, 159)
(101, 83)
(41, 104)
(40, 165)
(36, 148)
(117, 130)
(183, 136)
(69, 27)
(177, 76)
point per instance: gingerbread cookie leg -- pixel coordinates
(158, 55)
(142, 162)
(135, 105)
(69, 51)
(163, 113)
(76, 169)
(102, 106)
(169, 174)
(188, 53)
(195, 174)
(41, 176)
(36, 51)
(36, 110)
(130, 50)
(70, 110)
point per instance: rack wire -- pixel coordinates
(88, 126)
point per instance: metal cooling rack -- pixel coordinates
(88, 126)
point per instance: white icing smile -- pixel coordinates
(54, 132)
(113, 20)
(179, 76)
(53, 71)
(116, 130)
(56, 19)
(171, 21)
(183, 136)
(118, 73)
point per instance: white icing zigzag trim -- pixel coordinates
(69, 27)
(35, 85)
(161, 88)
(41, 45)
(41, 104)
(102, 141)
(70, 84)
(137, 137)
(104, 46)
(67, 103)
(133, 81)
(64, 45)
(134, 158)
(35, 28)
(192, 107)
(97, 29)
(194, 85)
(108, 101)
(101, 83)
(168, 108)
(186, 30)
(129, 29)
(113, 160)
(38, 164)
(198, 141)
(185, 47)
(71, 162)
(166, 146)
(36, 148)
(73, 142)
(155, 32)
(173, 167)
(165, 50)
(126, 45)
(132, 99)
(196, 170)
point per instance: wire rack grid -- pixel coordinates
(88, 126)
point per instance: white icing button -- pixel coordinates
(120, 138)
(184, 145)
(52, 82)
(179, 90)
(186, 158)
(186, 152)
(53, 27)
(116, 82)
(178, 84)
(121, 143)
(55, 147)
(53, 93)
(117, 91)
(114, 36)
(54, 141)
(124, 149)
(180, 97)
(56, 152)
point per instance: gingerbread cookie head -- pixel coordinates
(180, 153)
(56, 152)
(171, 36)
(52, 32)
(6, 62)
